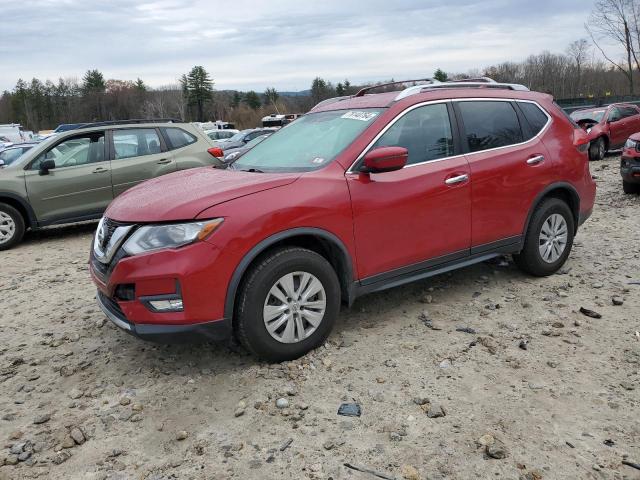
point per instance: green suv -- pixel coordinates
(73, 176)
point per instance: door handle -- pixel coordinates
(101, 170)
(164, 161)
(457, 179)
(535, 160)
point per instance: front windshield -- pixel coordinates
(238, 137)
(11, 155)
(308, 143)
(256, 141)
(588, 115)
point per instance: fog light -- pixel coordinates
(171, 305)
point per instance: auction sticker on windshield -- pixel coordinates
(362, 116)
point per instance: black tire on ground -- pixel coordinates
(18, 226)
(598, 149)
(258, 281)
(530, 259)
(629, 187)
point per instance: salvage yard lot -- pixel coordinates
(555, 390)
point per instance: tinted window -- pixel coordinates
(135, 142)
(74, 151)
(534, 115)
(179, 138)
(628, 112)
(490, 124)
(425, 132)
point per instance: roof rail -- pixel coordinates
(488, 83)
(475, 79)
(364, 90)
(126, 122)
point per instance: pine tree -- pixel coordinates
(252, 99)
(197, 88)
(440, 75)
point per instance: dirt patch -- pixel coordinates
(482, 373)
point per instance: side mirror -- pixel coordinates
(1, 163)
(385, 159)
(46, 165)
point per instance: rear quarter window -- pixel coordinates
(177, 138)
(534, 115)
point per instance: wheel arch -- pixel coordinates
(318, 240)
(563, 191)
(23, 207)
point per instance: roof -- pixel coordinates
(384, 100)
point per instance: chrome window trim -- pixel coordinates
(433, 102)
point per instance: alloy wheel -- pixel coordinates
(7, 227)
(294, 307)
(553, 238)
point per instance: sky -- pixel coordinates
(284, 44)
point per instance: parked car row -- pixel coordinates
(610, 128)
(75, 174)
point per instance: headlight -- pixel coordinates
(631, 144)
(156, 237)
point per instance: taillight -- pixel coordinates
(216, 152)
(580, 140)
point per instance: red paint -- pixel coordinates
(616, 132)
(385, 221)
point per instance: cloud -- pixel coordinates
(282, 43)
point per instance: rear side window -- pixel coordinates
(628, 112)
(135, 142)
(425, 132)
(535, 116)
(178, 138)
(490, 124)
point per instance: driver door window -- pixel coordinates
(425, 132)
(75, 151)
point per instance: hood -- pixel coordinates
(183, 195)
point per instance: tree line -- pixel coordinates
(586, 69)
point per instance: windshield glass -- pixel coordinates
(255, 141)
(588, 115)
(238, 136)
(309, 143)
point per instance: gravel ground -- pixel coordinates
(482, 373)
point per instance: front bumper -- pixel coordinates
(631, 173)
(198, 274)
(216, 330)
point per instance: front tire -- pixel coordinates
(288, 304)
(598, 149)
(629, 187)
(12, 227)
(548, 240)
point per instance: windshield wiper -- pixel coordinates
(252, 170)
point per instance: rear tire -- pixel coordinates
(12, 227)
(297, 293)
(629, 187)
(598, 149)
(548, 240)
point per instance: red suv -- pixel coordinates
(608, 127)
(363, 193)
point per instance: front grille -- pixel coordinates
(110, 227)
(103, 270)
